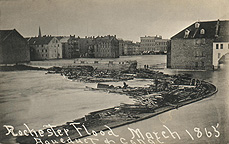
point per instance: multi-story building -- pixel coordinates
(199, 46)
(46, 47)
(153, 44)
(64, 44)
(106, 47)
(13, 47)
(131, 48)
(121, 47)
(85, 46)
(70, 46)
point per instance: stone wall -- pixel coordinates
(192, 54)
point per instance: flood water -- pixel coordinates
(37, 99)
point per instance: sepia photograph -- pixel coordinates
(114, 71)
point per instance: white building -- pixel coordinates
(220, 49)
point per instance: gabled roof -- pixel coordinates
(212, 29)
(4, 34)
(39, 40)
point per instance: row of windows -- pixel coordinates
(152, 40)
(44, 55)
(199, 54)
(200, 41)
(52, 45)
(147, 40)
(199, 64)
(43, 50)
(221, 46)
(155, 43)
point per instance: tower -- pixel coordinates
(39, 35)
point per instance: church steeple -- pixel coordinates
(39, 35)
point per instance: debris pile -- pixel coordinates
(163, 93)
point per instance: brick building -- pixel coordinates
(13, 47)
(192, 48)
(106, 47)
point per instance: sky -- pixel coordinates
(127, 19)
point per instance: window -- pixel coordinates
(197, 25)
(203, 41)
(202, 54)
(96, 62)
(196, 64)
(217, 46)
(198, 41)
(221, 46)
(202, 31)
(186, 33)
(219, 55)
(202, 64)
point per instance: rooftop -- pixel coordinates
(204, 29)
(40, 40)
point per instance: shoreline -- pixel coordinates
(119, 123)
(160, 111)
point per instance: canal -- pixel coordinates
(36, 99)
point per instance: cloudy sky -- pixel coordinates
(128, 19)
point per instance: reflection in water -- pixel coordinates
(36, 99)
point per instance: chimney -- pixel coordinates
(217, 29)
(39, 35)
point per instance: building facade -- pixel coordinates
(85, 46)
(192, 48)
(13, 47)
(121, 47)
(44, 48)
(106, 47)
(153, 44)
(131, 48)
(70, 47)
(220, 49)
